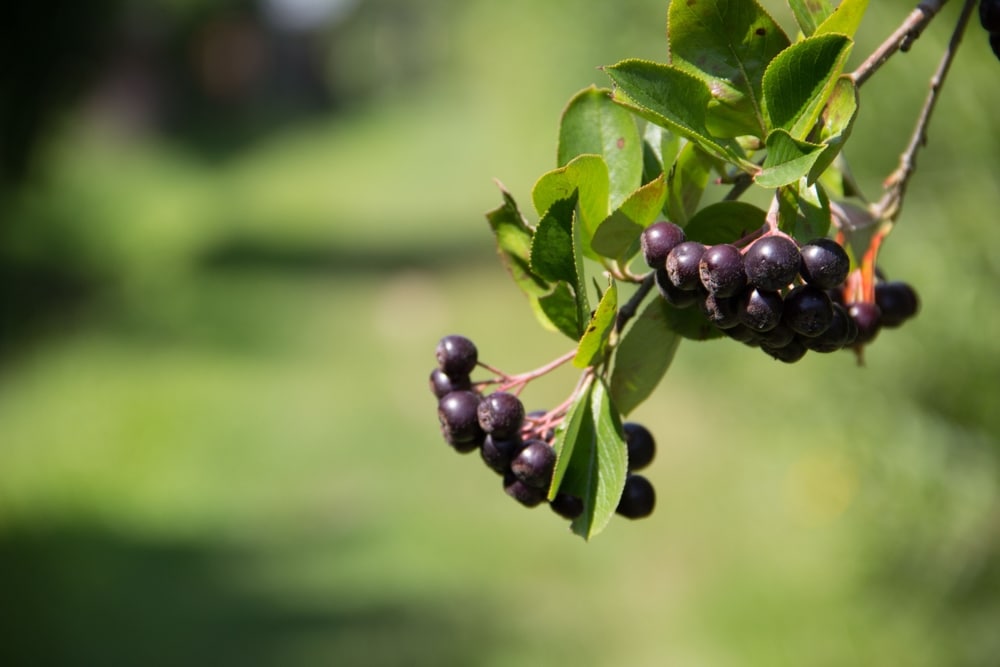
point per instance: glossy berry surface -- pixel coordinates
(501, 414)
(868, 319)
(682, 265)
(456, 355)
(441, 383)
(825, 263)
(675, 296)
(534, 464)
(721, 270)
(497, 454)
(772, 262)
(761, 310)
(566, 505)
(989, 15)
(638, 498)
(527, 495)
(641, 445)
(658, 240)
(897, 302)
(459, 421)
(793, 351)
(808, 310)
(841, 332)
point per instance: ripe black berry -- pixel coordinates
(722, 311)
(641, 445)
(779, 336)
(682, 265)
(459, 422)
(658, 240)
(497, 454)
(534, 464)
(897, 301)
(442, 383)
(566, 505)
(989, 15)
(841, 333)
(721, 270)
(808, 310)
(789, 353)
(824, 263)
(638, 498)
(675, 296)
(761, 310)
(868, 317)
(772, 262)
(456, 355)
(501, 414)
(527, 495)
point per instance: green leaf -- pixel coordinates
(809, 14)
(673, 99)
(787, 160)
(690, 323)
(618, 236)
(686, 183)
(728, 45)
(559, 308)
(593, 124)
(837, 121)
(642, 357)
(724, 222)
(592, 459)
(798, 82)
(845, 19)
(552, 251)
(513, 239)
(587, 175)
(804, 211)
(594, 343)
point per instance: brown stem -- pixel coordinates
(900, 40)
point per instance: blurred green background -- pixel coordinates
(231, 234)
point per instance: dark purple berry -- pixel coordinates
(868, 318)
(442, 383)
(675, 296)
(825, 263)
(641, 445)
(529, 496)
(789, 353)
(989, 15)
(808, 310)
(838, 335)
(459, 421)
(497, 454)
(682, 265)
(567, 505)
(534, 464)
(638, 498)
(779, 336)
(772, 263)
(658, 240)
(743, 334)
(721, 270)
(456, 355)
(761, 310)
(722, 311)
(995, 43)
(501, 414)
(897, 301)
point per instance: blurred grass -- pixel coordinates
(236, 461)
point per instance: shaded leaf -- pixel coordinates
(594, 343)
(642, 357)
(798, 82)
(809, 14)
(724, 222)
(787, 160)
(689, 323)
(513, 239)
(728, 45)
(837, 121)
(686, 183)
(593, 124)
(587, 175)
(552, 245)
(803, 211)
(618, 236)
(559, 308)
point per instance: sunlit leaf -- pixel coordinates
(787, 160)
(618, 236)
(586, 175)
(724, 222)
(845, 19)
(686, 183)
(594, 343)
(513, 239)
(809, 14)
(559, 308)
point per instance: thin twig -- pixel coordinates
(627, 312)
(900, 40)
(889, 206)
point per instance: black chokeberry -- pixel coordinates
(527, 495)
(808, 310)
(459, 421)
(721, 270)
(501, 414)
(788, 353)
(722, 311)
(682, 265)
(638, 498)
(841, 333)
(442, 383)
(673, 295)
(534, 464)
(989, 15)
(897, 302)
(641, 445)
(825, 263)
(868, 318)
(779, 336)
(658, 240)
(456, 355)
(497, 454)
(761, 310)
(567, 505)
(772, 263)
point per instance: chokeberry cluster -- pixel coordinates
(516, 445)
(989, 16)
(772, 293)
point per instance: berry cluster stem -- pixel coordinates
(519, 381)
